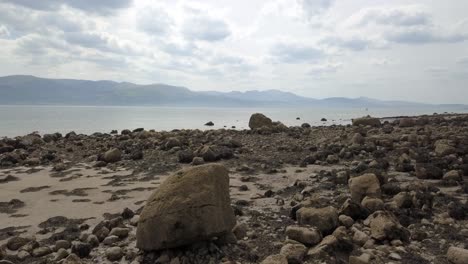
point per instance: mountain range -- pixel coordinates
(30, 90)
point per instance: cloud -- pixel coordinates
(463, 61)
(312, 8)
(423, 36)
(356, 43)
(154, 21)
(102, 41)
(4, 32)
(101, 6)
(322, 69)
(296, 53)
(205, 28)
(391, 16)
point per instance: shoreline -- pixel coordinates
(63, 187)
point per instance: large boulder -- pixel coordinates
(457, 255)
(367, 121)
(191, 205)
(365, 185)
(258, 120)
(407, 122)
(444, 147)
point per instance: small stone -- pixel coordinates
(457, 255)
(275, 259)
(61, 254)
(62, 244)
(120, 232)
(345, 220)
(110, 240)
(364, 258)
(81, 249)
(240, 230)
(22, 255)
(114, 253)
(41, 251)
(305, 235)
(294, 253)
(394, 256)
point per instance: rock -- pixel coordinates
(358, 139)
(41, 251)
(198, 161)
(240, 230)
(110, 240)
(72, 259)
(207, 153)
(81, 249)
(294, 253)
(385, 226)
(172, 142)
(367, 121)
(16, 242)
(360, 237)
(191, 205)
(394, 256)
(101, 233)
(127, 213)
(457, 255)
(114, 253)
(185, 156)
(23, 254)
(407, 122)
(258, 120)
(275, 259)
(443, 148)
(452, 175)
(372, 204)
(305, 235)
(364, 258)
(61, 254)
(346, 220)
(325, 219)
(209, 123)
(323, 119)
(364, 185)
(93, 240)
(403, 200)
(428, 171)
(305, 125)
(112, 155)
(332, 159)
(120, 232)
(353, 210)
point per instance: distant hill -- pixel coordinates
(23, 89)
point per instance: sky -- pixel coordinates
(391, 50)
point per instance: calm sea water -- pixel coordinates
(21, 120)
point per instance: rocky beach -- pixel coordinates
(389, 190)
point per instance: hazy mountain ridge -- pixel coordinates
(23, 89)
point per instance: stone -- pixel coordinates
(191, 205)
(407, 122)
(428, 171)
(457, 255)
(81, 249)
(127, 213)
(61, 254)
(358, 139)
(403, 200)
(372, 204)
(365, 185)
(62, 244)
(72, 259)
(41, 251)
(353, 210)
(325, 219)
(240, 230)
(16, 242)
(120, 232)
(114, 253)
(101, 233)
(209, 123)
(367, 121)
(345, 220)
(110, 240)
(452, 175)
(93, 240)
(22, 255)
(294, 253)
(112, 155)
(198, 161)
(360, 237)
(364, 258)
(258, 120)
(444, 148)
(185, 156)
(385, 226)
(275, 259)
(306, 235)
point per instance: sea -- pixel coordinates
(17, 120)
